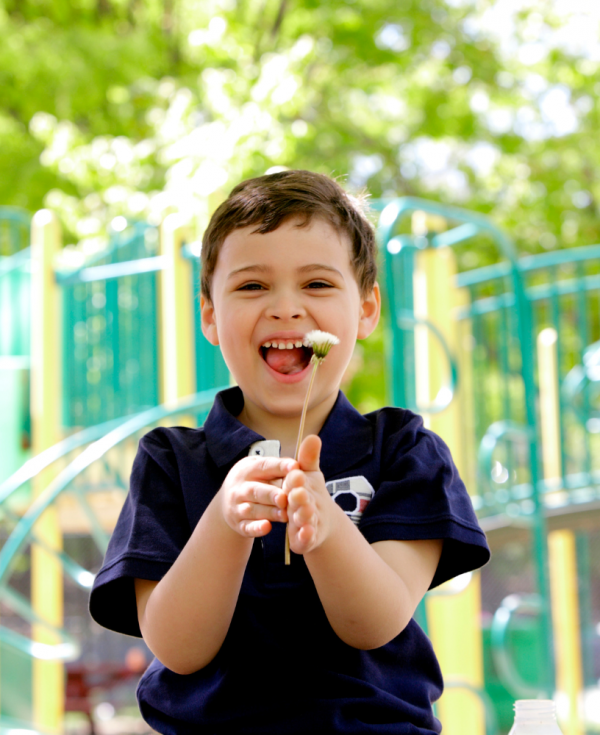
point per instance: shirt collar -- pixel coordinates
(226, 437)
(346, 435)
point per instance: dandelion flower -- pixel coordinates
(321, 343)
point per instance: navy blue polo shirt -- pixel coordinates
(281, 668)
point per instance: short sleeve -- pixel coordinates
(421, 496)
(151, 531)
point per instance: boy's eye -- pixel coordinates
(250, 287)
(319, 284)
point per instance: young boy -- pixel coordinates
(376, 510)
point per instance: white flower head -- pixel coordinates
(321, 343)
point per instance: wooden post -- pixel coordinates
(46, 572)
(178, 375)
(454, 619)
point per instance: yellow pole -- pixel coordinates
(455, 629)
(46, 573)
(455, 619)
(177, 299)
(565, 617)
(561, 544)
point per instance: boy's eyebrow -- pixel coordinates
(304, 269)
(257, 267)
(318, 267)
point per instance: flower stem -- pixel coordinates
(300, 433)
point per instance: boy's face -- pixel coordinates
(274, 288)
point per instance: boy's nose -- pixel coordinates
(285, 308)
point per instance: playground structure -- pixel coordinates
(503, 362)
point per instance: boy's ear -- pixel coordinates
(369, 312)
(208, 321)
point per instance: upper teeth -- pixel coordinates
(284, 345)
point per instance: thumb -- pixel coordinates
(309, 454)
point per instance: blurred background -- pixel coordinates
(471, 125)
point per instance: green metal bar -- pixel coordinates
(112, 270)
(480, 405)
(112, 338)
(588, 632)
(18, 538)
(13, 726)
(559, 257)
(211, 369)
(390, 216)
(507, 672)
(555, 320)
(529, 263)
(455, 235)
(405, 321)
(99, 535)
(82, 577)
(11, 263)
(539, 526)
(20, 605)
(535, 293)
(487, 305)
(584, 335)
(118, 242)
(503, 338)
(15, 214)
(397, 208)
(38, 463)
(574, 286)
(483, 275)
(67, 651)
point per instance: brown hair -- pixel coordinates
(267, 201)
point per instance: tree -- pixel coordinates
(135, 107)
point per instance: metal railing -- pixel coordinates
(93, 471)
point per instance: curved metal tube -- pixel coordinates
(579, 379)
(497, 432)
(68, 648)
(396, 208)
(38, 463)
(406, 320)
(18, 538)
(507, 671)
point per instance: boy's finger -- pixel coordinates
(254, 529)
(255, 512)
(298, 496)
(296, 478)
(270, 468)
(309, 454)
(255, 492)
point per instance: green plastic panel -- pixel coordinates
(110, 335)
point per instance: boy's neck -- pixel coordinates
(283, 428)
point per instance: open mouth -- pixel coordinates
(286, 356)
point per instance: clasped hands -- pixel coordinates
(251, 502)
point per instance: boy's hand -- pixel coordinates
(248, 499)
(310, 510)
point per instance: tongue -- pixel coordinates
(286, 361)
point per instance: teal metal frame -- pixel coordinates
(99, 442)
(398, 251)
(211, 369)
(509, 302)
(110, 333)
